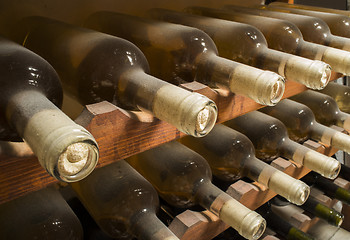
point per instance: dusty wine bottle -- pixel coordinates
(231, 155)
(280, 225)
(30, 97)
(43, 214)
(301, 125)
(328, 187)
(96, 66)
(316, 209)
(313, 29)
(180, 53)
(324, 108)
(246, 44)
(126, 205)
(183, 178)
(283, 36)
(337, 23)
(340, 93)
(270, 139)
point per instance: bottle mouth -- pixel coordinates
(277, 91)
(206, 119)
(326, 75)
(256, 229)
(77, 161)
(302, 192)
(270, 92)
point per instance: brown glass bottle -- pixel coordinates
(338, 23)
(270, 139)
(340, 93)
(179, 53)
(313, 29)
(246, 44)
(283, 36)
(96, 67)
(231, 155)
(122, 203)
(39, 215)
(324, 108)
(301, 125)
(30, 97)
(183, 178)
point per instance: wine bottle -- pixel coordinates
(325, 108)
(328, 187)
(322, 230)
(280, 225)
(313, 29)
(340, 93)
(316, 209)
(301, 125)
(43, 214)
(96, 66)
(126, 205)
(283, 36)
(270, 139)
(30, 97)
(183, 178)
(178, 53)
(246, 44)
(337, 23)
(231, 155)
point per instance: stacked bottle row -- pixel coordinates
(234, 56)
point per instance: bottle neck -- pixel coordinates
(65, 149)
(330, 137)
(313, 74)
(146, 226)
(339, 42)
(343, 120)
(248, 223)
(263, 87)
(191, 113)
(292, 189)
(338, 59)
(319, 210)
(311, 159)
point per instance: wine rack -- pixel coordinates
(122, 133)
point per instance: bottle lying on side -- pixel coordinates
(313, 29)
(324, 108)
(231, 156)
(43, 214)
(301, 125)
(183, 178)
(316, 209)
(30, 97)
(246, 44)
(337, 22)
(328, 187)
(271, 140)
(281, 226)
(283, 36)
(125, 206)
(96, 67)
(177, 52)
(340, 93)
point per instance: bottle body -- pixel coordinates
(183, 178)
(30, 90)
(246, 44)
(340, 93)
(282, 35)
(122, 79)
(125, 206)
(178, 53)
(39, 215)
(301, 125)
(324, 108)
(270, 139)
(231, 155)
